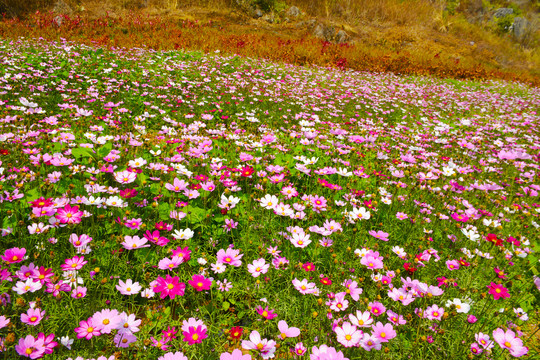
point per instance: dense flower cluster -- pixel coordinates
(183, 206)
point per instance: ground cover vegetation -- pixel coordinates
(182, 205)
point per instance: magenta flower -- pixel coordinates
(14, 255)
(498, 291)
(32, 317)
(200, 283)
(452, 264)
(69, 215)
(265, 313)
(195, 335)
(30, 347)
(460, 217)
(383, 332)
(169, 286)
(48, 342)
(87, 329)
(79, 292)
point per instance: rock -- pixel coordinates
(269, 18)
(502, 12)
(294, 11)
(342, 37)
(319, 31)
(300, 24)
(520, 27)
(58, 20)
(329, 33)
(257, 13)
(311, 23)
(60, 7)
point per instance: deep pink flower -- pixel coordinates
(14, 255)
(195, 335)
(200, 283)
(498, 291)
(169, 286)
(69, 215)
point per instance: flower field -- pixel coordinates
(176, 205)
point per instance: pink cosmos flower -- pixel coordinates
(87, 330)
(134, 242)
(258, 267)
(75, 263)
(133, 223)
(14, 255)
(381, 235)
(169, 286)
(395, 318)
(48, 342)
(304, 286)
(170, 263)
(353, 289)
(361, 319)
(30, 347)
(177, 185)
(325, 352)
(508, 340)
(184, 254)
(476, 349)
(78, 292)
(200, 283)
(376, 308)
(4, 321)
(229, 257)
(299, 349)
(498, 291)
(173, 356)
(383, 332)
(107, 320)
(372, 263)
(69, 215)
(348, 335)
(235, 355)
(266, 348)
(125, 177)
(339, 303)
(286, 331)
(452, 264)
(434, 312)
(79, 241)
(195, 335)
(33, 316)
(370, 342)
(129, 287)
(300, 240)
(162, 343)
(265, 313)
(123, 340)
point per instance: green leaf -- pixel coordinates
(225, 306)
(80, 153)
(105, 150)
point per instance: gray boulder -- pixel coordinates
(502, 12)
(318, 31)
(342, 37)
(520, 27)
(257, 13)
(294, 11)
(60, 7)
